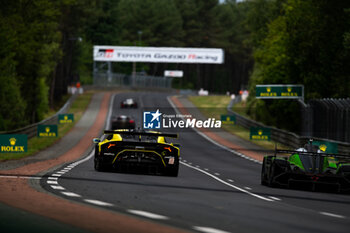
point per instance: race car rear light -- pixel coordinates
(131, 121)
(167, 148)
(110, 145)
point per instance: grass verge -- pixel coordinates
(214, 106)
(37, 144)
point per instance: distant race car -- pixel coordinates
(307, 168)
(129, 149)
(122, 122)
(128, 103)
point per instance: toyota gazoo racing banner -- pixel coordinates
(161, 54)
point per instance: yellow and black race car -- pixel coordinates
(124, 150)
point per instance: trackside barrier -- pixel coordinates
(330, 118)
(282, 136)
(31, 130)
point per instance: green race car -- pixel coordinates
(126, 150)
(307, 168)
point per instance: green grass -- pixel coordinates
(37, 144)
(214, 106)
(240, 108)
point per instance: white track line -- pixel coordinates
(57, 187)
(21, 177)
(52, 182)
(230, 185)
(208, 230)
(211, 140)
(275, 198)
(225, 148)
(147, 214)
(332, 215)
(97, 202)
(52, 178)
(70, 194)
(92, 152)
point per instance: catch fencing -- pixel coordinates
(331, 119)
(295, 141)
(107, 79)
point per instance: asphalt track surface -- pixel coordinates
(216, 190)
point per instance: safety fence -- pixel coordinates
(31, 130)
(330, 119)
(106, 79)
(284, 137)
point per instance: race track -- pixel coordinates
(216, 190)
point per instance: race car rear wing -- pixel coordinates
(169, 135)
(310, 153)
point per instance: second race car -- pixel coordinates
(307, 168)
(128, 103)
(122, 122)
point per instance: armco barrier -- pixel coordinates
(31, 130)
(282, 136)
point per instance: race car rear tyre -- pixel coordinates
(271, 177)
(98, 165)
(173, 171)
(263, 173)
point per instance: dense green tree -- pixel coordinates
(11, 101)
(34, 30)
(149, 22)
(306, 45)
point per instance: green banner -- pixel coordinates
(274, 91)
(13, 143)
(47, 131)
(328, 147)
(260, 133)
(65, 118)
(228, 119)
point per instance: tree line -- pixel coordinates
(304, 42)
(47, 45)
